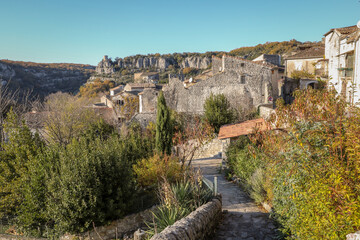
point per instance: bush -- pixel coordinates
(152, 171)
(177, 201)
(312, 168)
(218, 111)
(299, 74)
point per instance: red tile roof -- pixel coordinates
(244, 128)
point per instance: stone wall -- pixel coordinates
(118, 228)
(253, 92)
(200, 224)
(216, 65)
(210, 149)
(266, 111)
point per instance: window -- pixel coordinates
(243, 79)
(242, 64)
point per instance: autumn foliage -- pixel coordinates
(311, 165)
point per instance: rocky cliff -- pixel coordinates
(196, 62)
(158, 63)
(42, 78)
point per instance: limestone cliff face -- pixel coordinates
(161, 63)
(196, 62)
(105, 66)
(44, 79)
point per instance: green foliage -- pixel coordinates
(92, 182)
(57, 188)
(302, 74)
(16, 159)
(177, 201)
(218, 111)
(152, 171)
(188, 71)
(312, 169)
(96, 87)
(266, 48)
(163, 126)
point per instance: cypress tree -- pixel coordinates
(163, 126)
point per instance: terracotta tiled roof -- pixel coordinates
(244, 128)
(343, 30)
(313, 52)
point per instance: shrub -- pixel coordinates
(177, 201)
(218, 111)
(314, 166)
(299, 74)
(153, 170)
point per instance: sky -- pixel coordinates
(83, 31)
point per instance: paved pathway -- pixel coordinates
(242, 219)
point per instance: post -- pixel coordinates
(215, 186)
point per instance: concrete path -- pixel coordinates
(242, 219)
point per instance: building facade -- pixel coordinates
(342, 49)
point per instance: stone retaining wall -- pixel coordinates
(200, 224)
(210, 149)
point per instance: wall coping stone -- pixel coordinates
(199, 224)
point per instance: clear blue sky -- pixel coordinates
(82, 31)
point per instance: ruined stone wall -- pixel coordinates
(148, 100)
(216, 65)
(254, 91)
(212, 148)
(200, 224)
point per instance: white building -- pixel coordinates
(342, 49)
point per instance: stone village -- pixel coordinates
(247, 84)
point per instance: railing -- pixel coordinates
(211, 185)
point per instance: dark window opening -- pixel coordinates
(242, 64)
(242, 79)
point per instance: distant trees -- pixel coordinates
(163, 140)
(93, 89)
(218, 111)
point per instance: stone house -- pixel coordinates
(138, 87)
(148, 100)
(246, 84)
(146, 77)
(305, 59)
(116, 90)
(342, 50)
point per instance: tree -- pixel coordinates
(67, 117)
(163, 140)
(15, 158)
(218, 111)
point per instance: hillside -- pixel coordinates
(281, 48)
(44, 78)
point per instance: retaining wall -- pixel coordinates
(200, 224)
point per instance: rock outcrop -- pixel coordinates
(106, 66)
(196, 62)
(158, 63)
